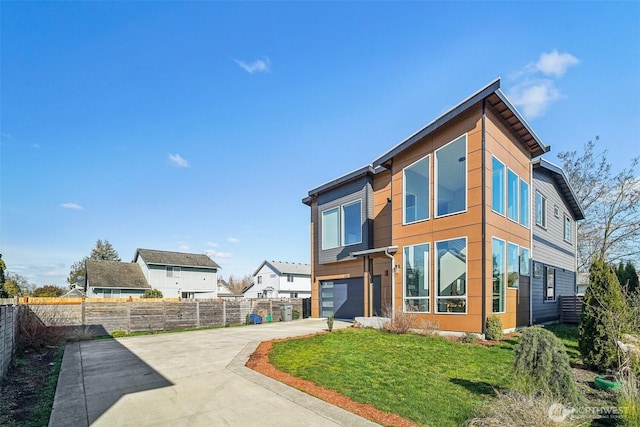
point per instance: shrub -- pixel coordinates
(399, 322)
(330, 323)
(469, 338)
(118, 333)
(604, 318)
(493, 330)
(542, 363)
(629, 400)
(152, 293)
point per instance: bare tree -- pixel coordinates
(611, 229)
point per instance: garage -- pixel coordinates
(344, 298)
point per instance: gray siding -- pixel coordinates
(549, 246)
(360, 189)
(545, 311)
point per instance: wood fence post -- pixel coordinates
(82, 312)
(128, 316)
(197, 313)
(164, 316)
(224, 313)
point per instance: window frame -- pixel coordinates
(527, 203)
(337, 231)
(405, 193)
(436, 281)
(494, 159)
(436, 179)
(547, 270)
(502, 295)
(289, 278)
(260, 280)
(343, 228)
(511, 245)
(543, 210)
(427, 279)
(511, 173)
(526, 262)
(567, 229)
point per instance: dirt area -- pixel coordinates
(259, 361)
(21, 390)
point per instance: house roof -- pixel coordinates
(286, 268)
(561, 180)
(115, 274)
(246, 288)
(500, 104)
(176, 259)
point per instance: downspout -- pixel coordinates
(484, 218)
(393, 280)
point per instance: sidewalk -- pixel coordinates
(189, 378)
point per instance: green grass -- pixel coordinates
(568, 334)
(428, 380)
(42, 412)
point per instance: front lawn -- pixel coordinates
(428, 380)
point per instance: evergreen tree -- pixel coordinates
(603, 318)
(631, 275)
(3, 267)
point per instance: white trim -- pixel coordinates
(504, 196)
(427, 280)
(404, 191)
(466, 178)
(505, 277)
(544, 210)
(466, 273)
(564, 229)
(342, 222)
(518, 262)
(528, 198)
(322, 246)
(517, 220)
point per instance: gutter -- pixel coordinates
(393, 280)
(484, 217)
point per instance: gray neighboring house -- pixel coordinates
(179, 274)
(554, 251)
(114, 279)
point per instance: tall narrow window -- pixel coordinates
(525, 262)
(416, 191)
(499, 274)
(550, 283)
(524, 203)
(512, 195)
(451, 276)
(497, 186)
(352, 223)
(541, 210)
(451, 177)
(416, 278)
(331, 228)
(289, 277)
(567, 229)
(513, 266)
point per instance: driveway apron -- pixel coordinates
(194, 378)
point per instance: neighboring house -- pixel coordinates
(225, 292)
(582, 282)
(73, 293)
(438, 226)
(556, 210)
(178, 274)
(114, 279)
(274, 279)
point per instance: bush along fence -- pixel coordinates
(8, 328)
(135, 315)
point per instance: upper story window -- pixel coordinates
(451, 177)
(525, 262)
(352, 223)
(512, 195)
(497, 186)
(342, 226)
(259, 280)
(541, 210)
(416, 191)
(173, 272)
(567, 229)
(289, 277)
(513, 265)
(524, 203)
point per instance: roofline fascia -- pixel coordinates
(545, 164)
(500, 94)
(382, 250)
(441, 120)
(341, 180)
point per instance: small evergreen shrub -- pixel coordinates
(118, 333)
(542, 363)
(152, 293)
(469, 338)
(603, 318)
(330, 323)
(493, 330)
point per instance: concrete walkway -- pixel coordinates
(186, 379)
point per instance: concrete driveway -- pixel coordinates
(186, 379)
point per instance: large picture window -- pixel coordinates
(416, 191)
(451, 276)
(541, 210)
(512, 195)
(351, 223)
(513, 265)
(451, 177)
(497, 186)
(499, 274)
(524, 203)
(331, 228)
(416, 278)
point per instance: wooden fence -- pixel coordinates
(570, 308)
(136, 315)
(8, 330)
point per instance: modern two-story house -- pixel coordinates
(439, 226)
(276, 279)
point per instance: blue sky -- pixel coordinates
(200, 126)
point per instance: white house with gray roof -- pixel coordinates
(275, 279)
(178, 274)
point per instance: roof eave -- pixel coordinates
(565, 186)
(368, 169)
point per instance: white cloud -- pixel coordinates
(178, 160)
(535, 87)
(233, 240)
(534, 97)
(71, 205)
(259, 65)
(217, 254)
(555, 63)
(212, 244)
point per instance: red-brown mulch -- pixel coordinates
(259, 362)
